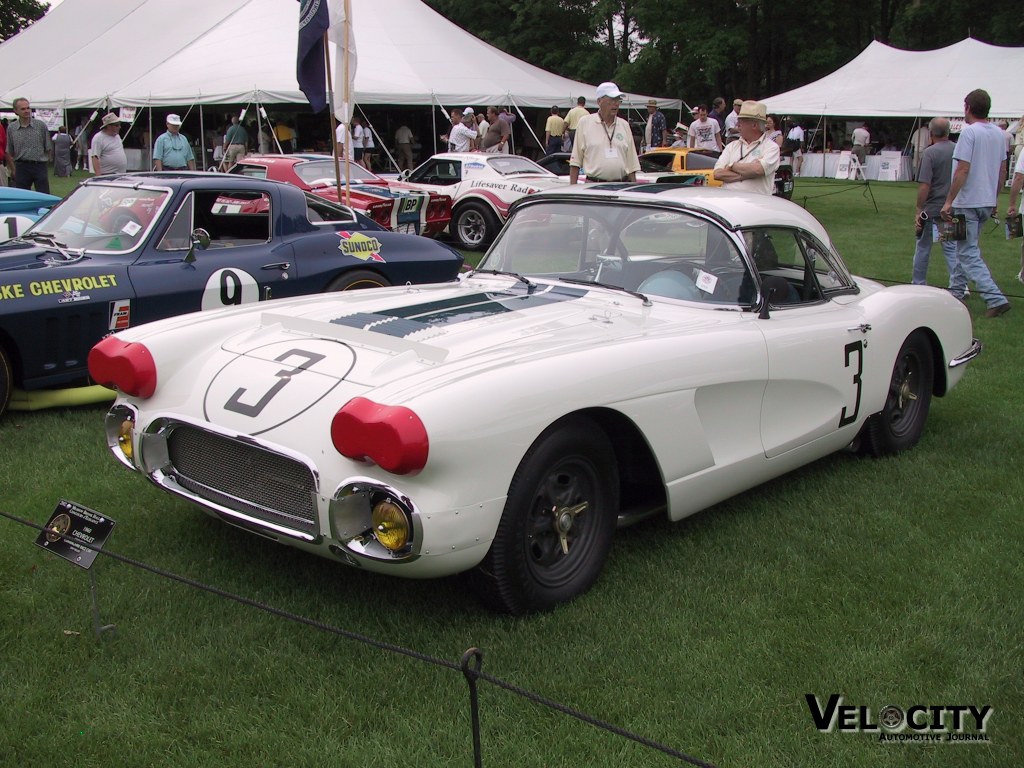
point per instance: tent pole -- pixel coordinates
(202, 136)
(150, 148)
(433, 122)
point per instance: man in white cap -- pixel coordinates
(750, 162)
(172, 151)
(604, 148)
(107, 149)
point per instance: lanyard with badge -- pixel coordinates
(610, 152)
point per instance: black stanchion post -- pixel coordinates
(97, 627)
(472, 660)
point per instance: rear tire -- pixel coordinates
(557, 526)
(6, 382)
(355, 280)
(900, 423)
(474, 226)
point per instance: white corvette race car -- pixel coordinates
(482, 187)
(616, 355)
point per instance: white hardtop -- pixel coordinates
(738, 209)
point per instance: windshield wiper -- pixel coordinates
(46, 238)
(531, 285)
(610, 286)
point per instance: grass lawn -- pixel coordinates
(890, 582)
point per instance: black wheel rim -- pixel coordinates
(903, 407)
(564, 515)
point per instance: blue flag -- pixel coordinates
(314, 20)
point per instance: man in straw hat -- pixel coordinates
(749, 163)
(107, 149)
(657, 129)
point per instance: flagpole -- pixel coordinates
(347, 93)
(334, 122)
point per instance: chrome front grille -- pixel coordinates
(243, 477)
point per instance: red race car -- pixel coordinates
(391, 204)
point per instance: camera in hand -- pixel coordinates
(953, 229)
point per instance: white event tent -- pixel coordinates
(889, 82)
(146, 53)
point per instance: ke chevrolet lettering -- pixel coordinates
(125, 250)
(648, 350)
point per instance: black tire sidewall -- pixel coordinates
(881, 439)
(511, 584)
(347, 281)
(490, 224)
(6, 382)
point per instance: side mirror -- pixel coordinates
(200, 239)
(404, 175)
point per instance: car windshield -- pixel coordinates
(103, 218)
(653, 250)
(323, 171)
(510, 165)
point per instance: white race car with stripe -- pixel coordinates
(482, 187)
(617, 354)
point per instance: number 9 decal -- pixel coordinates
(229, 287)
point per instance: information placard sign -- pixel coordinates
(75, 533)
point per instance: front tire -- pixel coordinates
(474, 226)
(6, 382)
(558, 522)
(355, 280)
(901, 421)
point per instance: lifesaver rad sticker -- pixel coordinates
(360, 246)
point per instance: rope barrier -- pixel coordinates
(470, 664)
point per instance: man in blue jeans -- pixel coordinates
(979, 174)
(933, 179)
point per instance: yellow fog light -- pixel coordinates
(390, 525)
(124, 437)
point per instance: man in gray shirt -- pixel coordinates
(980, 157)
(107, 148)
(933, 185)
(28, 149)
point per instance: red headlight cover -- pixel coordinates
(390, 435)
(124, 365)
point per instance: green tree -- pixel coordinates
(15, 15)
(697, 50)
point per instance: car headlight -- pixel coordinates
(119, 425)
(390, 525)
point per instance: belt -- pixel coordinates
(31, 161)
(595, 180)
(176, 168)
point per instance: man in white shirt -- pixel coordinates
(604, 148)
(731, 134)
(861, 140)
(705, 133)
(795, 138)
(749, 163)
(463, 137)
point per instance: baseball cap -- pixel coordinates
(468, 111)
(611, 90)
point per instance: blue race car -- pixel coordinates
(20, 209)
(124, 250)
